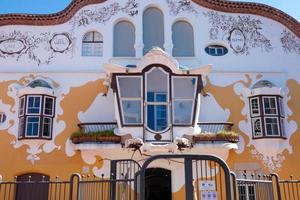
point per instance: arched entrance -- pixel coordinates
(158, 184)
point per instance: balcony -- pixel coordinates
(100, 132)
(216, 132)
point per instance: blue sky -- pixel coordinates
(292, 7)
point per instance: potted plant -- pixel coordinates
(107, 136)
(223, 135)
(97, 136)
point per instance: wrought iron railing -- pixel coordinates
(214, 127)
(96, 126)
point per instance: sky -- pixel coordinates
(291, 7)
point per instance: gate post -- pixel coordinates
(74, 186)
(188, 169)
(113, 176)
(233, 179)
(273, 175)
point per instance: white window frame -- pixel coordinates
(276, 105)
(39, 122)
(247, 190)
(281, 106)
(251, 108)
(174, 99)
(265, 123)
(167, 103)
(121, 99)
(53, 106)
(253, 127)
(40, 106)
(50, 125)
(92, 44)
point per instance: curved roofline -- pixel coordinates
(218, 5)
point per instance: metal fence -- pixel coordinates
(289, 189)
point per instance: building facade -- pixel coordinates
(128, 79)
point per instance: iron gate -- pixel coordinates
(199, 170)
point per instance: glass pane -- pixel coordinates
(130, 87)
(183, 112)
(183, 39)
(22, 106)
(132, 111)
(124, 39)
(47, 127)
(184, 87)
(32, 126)
(270, 105)
(272, 126)
(157, 117)
(21, 126)
(157, 83)
(256, 123)
(92, 49)
(88, 37)
(48, 106)
(281, 106)
(34, 105)
(153, 29)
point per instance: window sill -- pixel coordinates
(269, 137)
(33, 138)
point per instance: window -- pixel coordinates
(153, 29)
(92, 44)
(130, 95)
(183, 39)
(216, 50)
(124, 39)
(246, 192)
(2, 117)
(183, 99)
(36, 114)
(267, 116)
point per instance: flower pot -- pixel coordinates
(111, 138)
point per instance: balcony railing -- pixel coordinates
(96, 126)
(214, 127)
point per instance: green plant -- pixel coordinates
(92, 134)
(224, 133)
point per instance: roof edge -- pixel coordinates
(218, 5)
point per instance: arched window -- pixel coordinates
(124, 39)
(92, 44)
(183, 39)
(153, 29)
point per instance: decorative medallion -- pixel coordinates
(60, 42)
(157, 137)
(243, 33)
(237, 40)
(12, 46)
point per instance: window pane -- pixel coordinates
(183, 112)
(32, 126)
(92, 44)
(157, 117)
(48, 106)
(281, 106)
(184, 87)
(21, 126)
(34, 104)
(124, 39)
(272, 126)
(22, 106)
(183, 39)
(153, 29)
(47, 127)
(270, 105)
(157, 83)
(255, 106)
(256, 127)
(130, 87)
(131, 111)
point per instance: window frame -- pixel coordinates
(264, 106)
(121, 99)
(23, 119)
(251, 108)
(93, 42)
(174, 99)
(263, 116)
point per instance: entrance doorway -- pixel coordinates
(158, 184)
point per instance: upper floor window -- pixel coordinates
(267, 116)
(36, 113)
(183, 39)
(216, 50)
(153, 29)
(124, 39)
(92, 44)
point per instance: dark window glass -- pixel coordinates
(48, 106)
(32, 126)
(47, 127)
(216, 50)
(34, 103)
